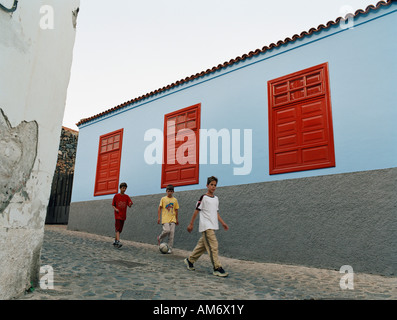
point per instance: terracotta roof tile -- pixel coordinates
(238, 59)
(69, 129)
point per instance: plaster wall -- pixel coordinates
(36, 44)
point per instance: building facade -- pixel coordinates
(301, 135)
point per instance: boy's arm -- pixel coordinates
(114, 204)
(190, 226)
(224, 225)
(176, 212)
(176, 216)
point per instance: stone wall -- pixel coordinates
(67, 150)
(62, 183)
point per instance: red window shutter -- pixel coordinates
(108, 164)
(181, 147)
(300, 121)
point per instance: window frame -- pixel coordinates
(101, 138)
(165, 165)
(323, 95)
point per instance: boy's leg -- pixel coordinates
(165, 232)
(211, 245)
(198, 250)
(171, 235)
(119, 228)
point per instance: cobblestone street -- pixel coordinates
(87, 267)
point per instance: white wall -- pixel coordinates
(36, 45)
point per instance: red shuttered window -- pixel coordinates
(108, 164)
(181, 147)
(300, 121)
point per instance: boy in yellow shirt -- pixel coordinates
(168, 217)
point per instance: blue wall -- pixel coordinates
(362, 71)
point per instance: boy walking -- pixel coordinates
(119, 204)
(208, 208)
(168, 216)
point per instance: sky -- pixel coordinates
(127, 48)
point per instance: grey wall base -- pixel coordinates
(324, 222)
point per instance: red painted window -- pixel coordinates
(108, 164)
(300, 121)
(181, 147)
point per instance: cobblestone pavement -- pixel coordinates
(87, 267)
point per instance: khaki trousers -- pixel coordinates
(209, 243)
(168, 230)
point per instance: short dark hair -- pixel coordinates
(212, 178)
(123, 184)
(170, 187)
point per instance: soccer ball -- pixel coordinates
(163, 247)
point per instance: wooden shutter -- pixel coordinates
(108, 164)
(300, 121)
(181, 158)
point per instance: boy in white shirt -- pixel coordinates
(208, 207)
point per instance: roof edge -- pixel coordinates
(238, 59)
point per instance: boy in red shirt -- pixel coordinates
(119, 204)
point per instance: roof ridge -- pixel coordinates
(69, 129)
(240, 58)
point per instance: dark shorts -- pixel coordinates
(119, 225)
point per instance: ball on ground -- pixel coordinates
(163, 247)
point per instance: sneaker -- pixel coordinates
(220, 272)
(189, 265)
(117, 244)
